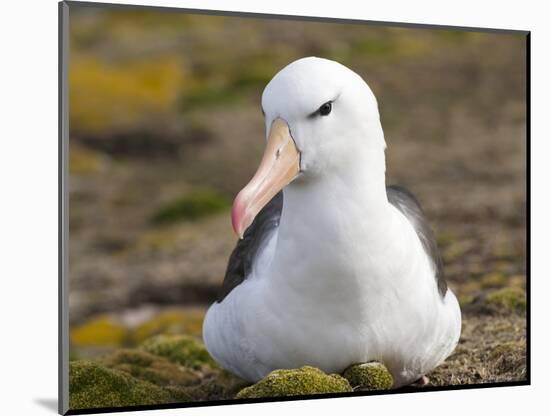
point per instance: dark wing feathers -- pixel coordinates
(240, 261)
(405, 202)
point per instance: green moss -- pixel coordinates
(180, 349)
(256, 74)
(232, 88)
(301, 381)
(92, 386)
(151, 368)
(507, 300)
(375, 48)
(192, 206)
(369, 376)
(207, 96)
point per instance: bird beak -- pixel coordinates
(279, 166)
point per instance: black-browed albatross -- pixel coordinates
(336, 268)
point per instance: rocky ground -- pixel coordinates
(160, 144)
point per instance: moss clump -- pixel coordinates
(192, 206)
(93, 386)
(301, 381)
(180, 349)
(507, 300)
(151, 368)
(101, 331)
(369, 376)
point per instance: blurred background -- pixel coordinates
(166, 127)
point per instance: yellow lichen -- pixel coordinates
(109, 95)
(100, 331)
(174, 321)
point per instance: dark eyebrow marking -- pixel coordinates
(263, 112)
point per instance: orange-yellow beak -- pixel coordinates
(279, 166)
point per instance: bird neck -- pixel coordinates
(331, 220)
(335, 202)
(336, 226)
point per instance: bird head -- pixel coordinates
(321, 118)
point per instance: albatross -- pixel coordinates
(332, 267)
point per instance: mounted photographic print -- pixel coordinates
(266, 208)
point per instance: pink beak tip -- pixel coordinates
(237, 215)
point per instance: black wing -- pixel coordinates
(243, 255)
(405, 202)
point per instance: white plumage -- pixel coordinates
(344, 278)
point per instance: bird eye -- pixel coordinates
(325, 109)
